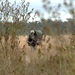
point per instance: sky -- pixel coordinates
(37, 5)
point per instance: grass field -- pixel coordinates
(56, 53)
(55, 56)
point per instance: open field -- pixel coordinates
(55, 56)
(56, 53)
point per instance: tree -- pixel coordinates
(14, 12)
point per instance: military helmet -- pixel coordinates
(32, 31)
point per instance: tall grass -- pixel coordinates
(54, 57)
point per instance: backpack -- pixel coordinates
(39, 34)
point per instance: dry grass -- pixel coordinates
(54, 54)
(54, 57)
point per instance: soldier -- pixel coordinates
(32, 38)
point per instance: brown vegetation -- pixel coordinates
(55, 56)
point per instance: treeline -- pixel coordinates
(47, 26)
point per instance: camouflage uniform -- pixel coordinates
(34, 40)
